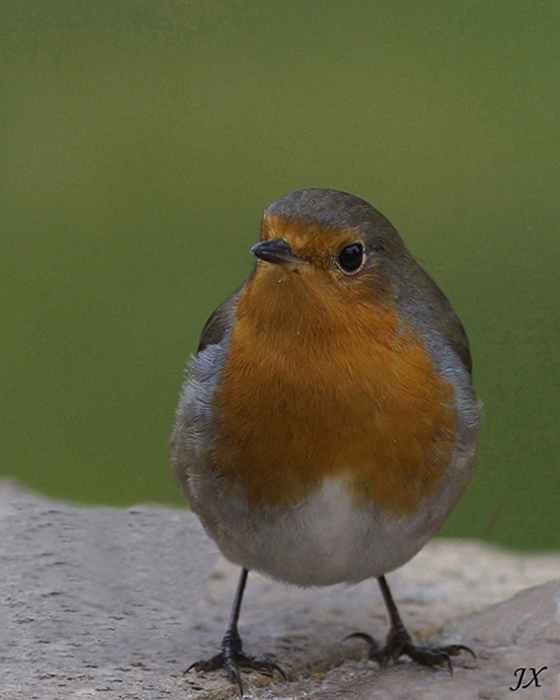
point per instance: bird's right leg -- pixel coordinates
(231, 656)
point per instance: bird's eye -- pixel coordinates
(351, 257)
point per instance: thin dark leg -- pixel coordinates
(231, 656)
(389, 603)
(236, 609)
(399, 642)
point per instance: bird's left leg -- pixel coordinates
(399, 642)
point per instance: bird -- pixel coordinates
(328, 424)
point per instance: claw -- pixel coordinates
(361, 635)
(376, 652)
(234, 676)
(456, 649)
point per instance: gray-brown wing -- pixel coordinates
(424, 302)
(453, 331)
(216, 326)
(435, 307)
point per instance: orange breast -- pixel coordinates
(314, 387)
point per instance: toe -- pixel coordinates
(438, 656)
(263, 665)
(428, 657)
(211, 664)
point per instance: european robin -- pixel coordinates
(328, 424)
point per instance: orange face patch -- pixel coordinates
(311, 242)
(322, 380)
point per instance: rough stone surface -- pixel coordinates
(96, 599)
(116, 603)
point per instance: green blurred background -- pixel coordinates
(140, 143)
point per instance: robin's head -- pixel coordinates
(327, 237)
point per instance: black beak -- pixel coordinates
(276, 251)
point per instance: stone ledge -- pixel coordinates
(119, 602)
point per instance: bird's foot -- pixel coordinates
(231, 658)
(399, 643)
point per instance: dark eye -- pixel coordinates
(351, 257)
